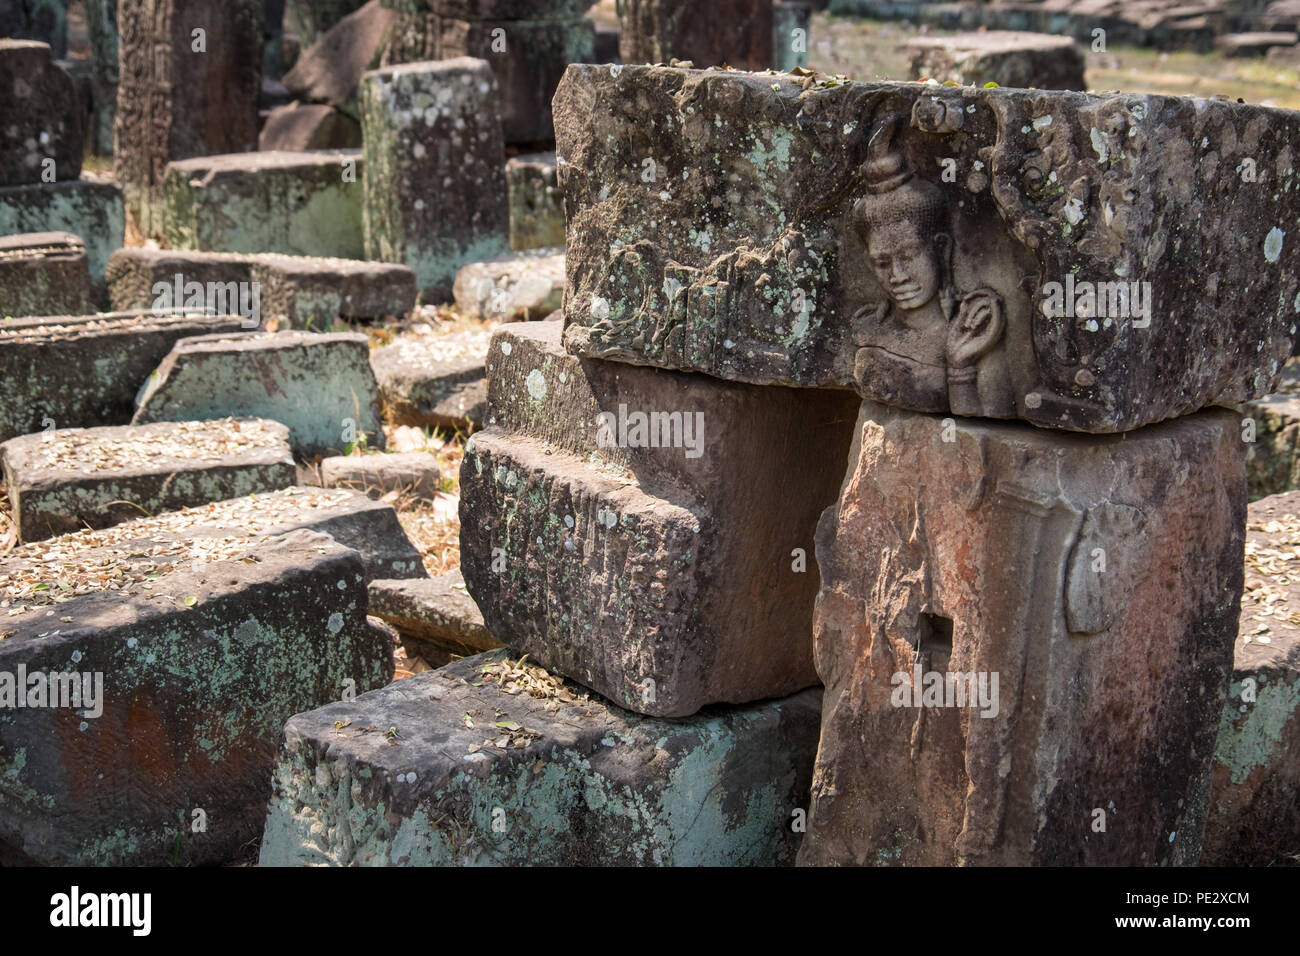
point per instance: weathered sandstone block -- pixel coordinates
(64, 480)
(492, 763)
(1254, 818)
(1273, 458)
(298, 126)
(41, 128)
(298, 204)
(83, 371)
(435, 195)
(299, 291)
(319, 384)
(194, 657)
(433, 616)
(664, 576)
(414, 473)
(1004, 57)
(517, 285)
(182, 94)
(1025, 640)
(726, 32)
(1091, 263)
(90, 209)
(536, 205)
(529, 58)
(434, 381)
(43, 273)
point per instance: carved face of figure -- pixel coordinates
(907, 264)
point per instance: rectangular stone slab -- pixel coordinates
(295, 203)
(1004, 57)
(371, 528)
(83, 371)
(320, 385)
(435, 616)
(1254, 819)
(451, 768)
(197, 674)
(723, 222)
(435, 195)
(1033, 635)
(434, 381)
(68, 479)
(89, 208)
(300, 291)
(44, 273)
(663, 578)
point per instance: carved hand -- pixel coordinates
(976, 329)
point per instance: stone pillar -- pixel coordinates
(1035, 633)
(791, 26)
(41, 128)
(101, 25)
(732, 32)
(190, 75)
(435, 190)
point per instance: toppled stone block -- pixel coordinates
(435, 617)
(611, 515)
(299, 126)
(1271, 429)
(1254, 819)
(435, 195)
(64, 480)
(736, 33)
(309, 19)
(527, 770)
(1253, 44)
(536, 204)
(1042, 283)
(413, 473)
(175, 102)
(528, 58)
(88, 208)
(299, 291)
(433, 381)
(329, 69)
(43, 273)
(84, 371)
(41, 127)
(311, 292)
(1004, 57)
(160, 690)
(302, 204)
(1034, 634)
(319, 384)
(517, 285)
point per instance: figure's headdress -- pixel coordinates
(893, 191)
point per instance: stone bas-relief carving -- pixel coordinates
(1002, 253)
(1090, 584)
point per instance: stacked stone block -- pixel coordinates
(190, 74)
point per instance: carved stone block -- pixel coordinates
(1026, 640)
(1091, 263)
